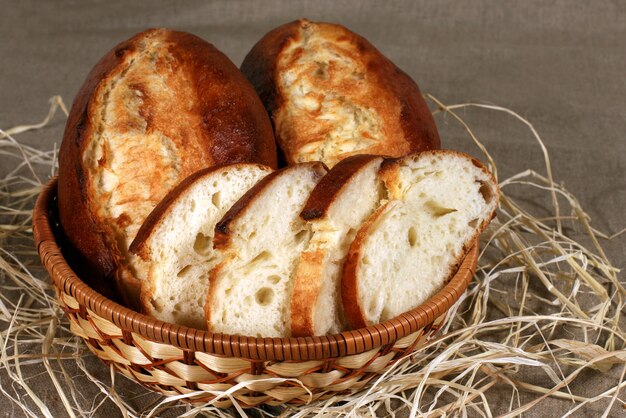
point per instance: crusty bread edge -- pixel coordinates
(350, 295)
(259, 65)
(213, 282)
(222, 229)
(95, 255)
(164, 207)
(223, 232)
(309, 272)
(355, 316)
(330, 186)
(305, 294)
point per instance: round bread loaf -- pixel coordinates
(155, 109)
(332, 94)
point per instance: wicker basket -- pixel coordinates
(177, 360)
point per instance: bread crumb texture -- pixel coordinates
(252, 288)
(180, 248)
(317, 293)
(439, 203)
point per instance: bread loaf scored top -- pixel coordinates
(154, 110)
(332, 94)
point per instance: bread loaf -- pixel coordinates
(260, 239)
(176, 241)
(331, 94)
(438, 203)
(155, 109)
(166, 185)
(335, 210)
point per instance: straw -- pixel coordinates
(545, 306)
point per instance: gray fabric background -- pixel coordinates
(561, 64)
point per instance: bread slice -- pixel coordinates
(439, 202)
(260, 239)
(332, 94)
(176, 241)
(336, 209)
(155, 109)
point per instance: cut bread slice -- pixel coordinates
(260, 239)
(336, 209)
(176, 241)
(439, 202)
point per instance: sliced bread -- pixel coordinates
(439, 202)
(176, 241)
(336, 209)
(259, 240)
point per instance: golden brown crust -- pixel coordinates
(233, 123)
(406, 123)
(213, 278)
(310, 270)
(306, 292)
(259, 65)
(211, 116)
(349, 281)
(326, 191)
(222, 228)
(93, 248)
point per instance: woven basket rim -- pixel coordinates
(255, 348)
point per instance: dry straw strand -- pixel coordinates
(543, 303)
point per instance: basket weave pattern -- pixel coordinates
(178, 360)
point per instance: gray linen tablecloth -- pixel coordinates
(561, 64)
